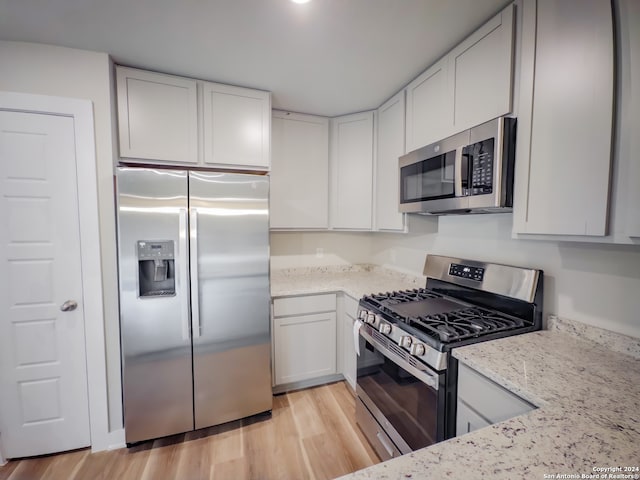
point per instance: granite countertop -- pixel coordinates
(354, 280)
(584, 381)
(588, 416)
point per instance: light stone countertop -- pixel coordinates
(588, 416)
(588, 394)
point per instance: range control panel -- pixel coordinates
(466, 271)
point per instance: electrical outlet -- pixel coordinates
(319, 252)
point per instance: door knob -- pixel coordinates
(69, 306)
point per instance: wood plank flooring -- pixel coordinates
(311, 434)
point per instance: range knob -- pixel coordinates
(405, 341)
(371, 318)
(384, 328)
(417, 349)
(362, 314)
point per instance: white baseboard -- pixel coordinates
(113, 441)
(116, 440)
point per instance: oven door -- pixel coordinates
(435, 177)
(405, 397)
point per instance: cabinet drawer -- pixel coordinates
(351, 306)
(487, 398)
(305, 304)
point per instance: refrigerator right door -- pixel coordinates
(230, 299)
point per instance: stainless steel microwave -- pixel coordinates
(470, 172)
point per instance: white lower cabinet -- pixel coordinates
(482, 402)
(304, 338)
(349, 356)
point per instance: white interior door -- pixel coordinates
(43, 379)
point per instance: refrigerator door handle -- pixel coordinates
(195, 303)
(183, 277)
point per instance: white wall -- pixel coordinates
(63, 72)
(289, 250)
(595, 284)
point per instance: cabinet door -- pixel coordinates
(489, 400)
(352, 171)
(157, 116)
(299, 171)
(629, 109)
(390, 138)
(429, 115)
(349, 356)
(565, 128)
(305, 347)
(467, 420)
(237, 123)
(481, 73)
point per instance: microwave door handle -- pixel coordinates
(458, 172)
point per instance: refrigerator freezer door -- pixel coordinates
(155, 332)
(229, 229)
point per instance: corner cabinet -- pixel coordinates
(304, 341)
(170, 120)
(236, 126)
(299, 192)
(351, 164)
(390, 137)
(565, 123)
(157, 116)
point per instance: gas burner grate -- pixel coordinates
(466, 323)
(384, 300)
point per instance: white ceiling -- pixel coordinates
(327, 57)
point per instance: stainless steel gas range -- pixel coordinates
(407, 377)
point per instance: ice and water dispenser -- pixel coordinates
(156, 268)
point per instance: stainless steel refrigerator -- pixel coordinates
(194, 299)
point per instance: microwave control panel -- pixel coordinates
(480, 157)
(466, 271)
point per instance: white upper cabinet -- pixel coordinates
(236, 126)
(471, 85)
(565, 124)
(299, 190)
(481, 72)
(390, 142)
(628, 120)
(351, 162)
(165, 119)
(429, 115)
(157, 116)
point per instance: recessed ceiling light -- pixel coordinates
(300, 1)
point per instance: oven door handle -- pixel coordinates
(427, 378)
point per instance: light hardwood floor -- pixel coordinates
(311, 434)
